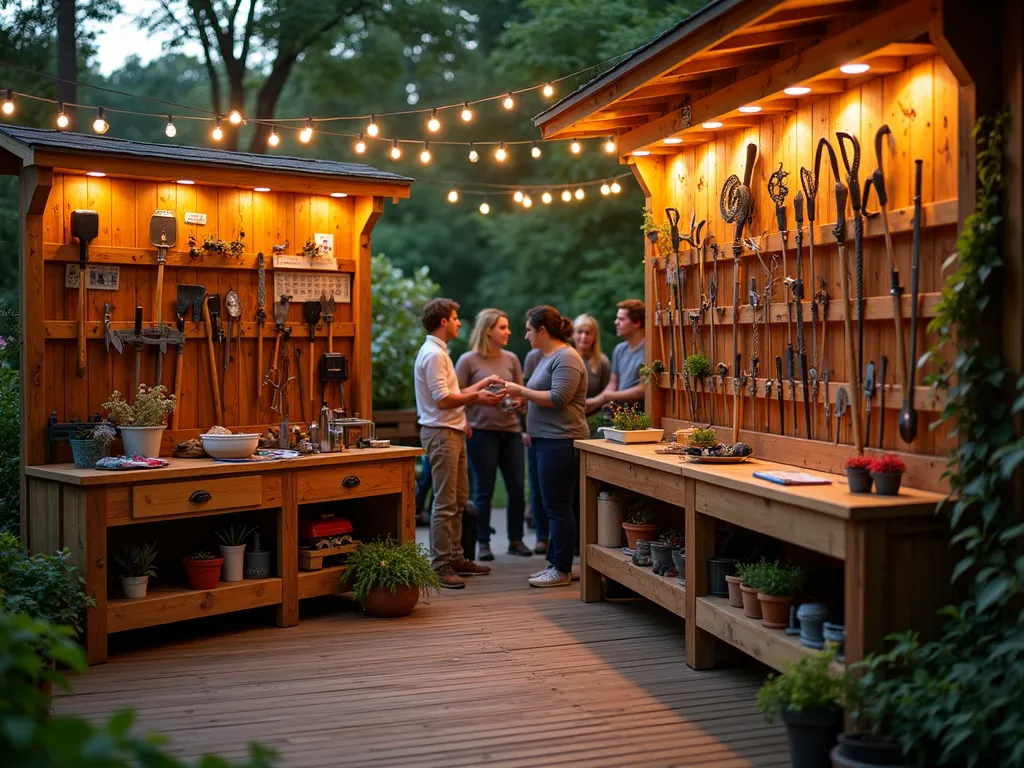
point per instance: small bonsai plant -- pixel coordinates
(703, 438)
(201, 555)
(887, 472)
(858, 474)
(150, 409)
(672, 537)
(629, 418)
(90, 443)
(136, 562)
(653, 370)
(388, 577)
(698, 366)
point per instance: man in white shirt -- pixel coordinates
(441, 406)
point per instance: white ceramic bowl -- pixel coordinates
(230, 446)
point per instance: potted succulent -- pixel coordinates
(661, 552)
(142, 423)
(778, 586)
(202, 570)
(90, 443)
(256, 560)
(232, 549)
(858, 474)
(810, 701)
(887, 472)
(630, 425)
(136, 563)
(750, 586)
(388, 577)
(640, 522)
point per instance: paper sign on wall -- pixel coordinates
(101, 278)
(298, 261)
(307, 286)
(195, 218)
(325, 243)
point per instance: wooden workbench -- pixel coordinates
(894, 549)
(81, 508)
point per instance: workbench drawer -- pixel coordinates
(350, 481)
(192, 496)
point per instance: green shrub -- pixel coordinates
(780, 580)
(386, 564)
(805, 686)
(10, 451)
(45, 587)
(703, 438)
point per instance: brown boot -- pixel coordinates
(448, 578)
(470, 568)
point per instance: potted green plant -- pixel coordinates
(733, 583)
(810, 701)
(136, 563)
(388, 577)
(232, 549)
(90, 443)
(750, 586)
(778, 586)
(651, 371)
(858, 474)
(663, 562)
(703, 438)
(630, 425)
(142, 423)
(640, 522)
(256, 560)
(887, 472)
(202, 570)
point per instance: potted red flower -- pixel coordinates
(858, 474)
(887, 472)
(202, 570)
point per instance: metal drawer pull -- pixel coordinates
(351, 481)
(200, 497)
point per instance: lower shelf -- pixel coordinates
(666, 591)
(769, 646)
(166, 604)
(326, 581)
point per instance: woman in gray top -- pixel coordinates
(556, 396)
(495, 440)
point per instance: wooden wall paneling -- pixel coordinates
(341, 217)
(196, 358)
(243, 346)
(75, 390)
(367, 211)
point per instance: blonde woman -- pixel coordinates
(495, 440)
(586, 337)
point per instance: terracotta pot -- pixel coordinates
(859, 480)
(887, 483)
(202, 574)
(751, 606)
(635, 532)
(775, 609)
(380, 601)
(735, 596)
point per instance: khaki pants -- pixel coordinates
(446, 452)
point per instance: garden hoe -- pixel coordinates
(311, 314)
(85, 225)
(211, 308)
(327, 306)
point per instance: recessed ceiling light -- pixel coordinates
(98, 174)
(797, 90)
(854, 69)
(186, 181)
(673, 140)
(641, 152)
(339, 194)
(711, 124)
(261, 189)
(750, 109)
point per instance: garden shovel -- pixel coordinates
(190, 298)
(163, 234)
(311, 314)
(327, 310)
(85, 225)
(210, 304)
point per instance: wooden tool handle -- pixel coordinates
(80, 365)
(177, 387)
(901, 357)
(159, 294)
(330, 337)
(312, 394)
(851, 357)
(218, 407)
(277, 352)
(259, 363)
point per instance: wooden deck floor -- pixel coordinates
(497, 674)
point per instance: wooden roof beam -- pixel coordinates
(788, 17)
(717, 63)
(754, 40)
(902, 22)
(611, 125)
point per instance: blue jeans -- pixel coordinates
(540, 517)
(558, 470)
(489, 451)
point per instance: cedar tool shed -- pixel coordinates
(253, 205)
(749, 90)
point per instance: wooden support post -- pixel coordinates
(590, 580)
(405, 525)
(288, 552)
(94, 503)
(865, 579)
(367, 211)
(700, 546)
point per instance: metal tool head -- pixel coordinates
(190, 296)
(842, 402)
(281, 310)
(327, 306)
(85, 225)
(163, 230)
(777, 189)
(213, 304)
(311, 315)
(233, 304)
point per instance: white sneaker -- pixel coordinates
(550, 577)
(535, 574)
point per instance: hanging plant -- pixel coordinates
(311, 249)
(194, 251)
(663, 230)
(237, 247)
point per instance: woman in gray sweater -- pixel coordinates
(556, 396)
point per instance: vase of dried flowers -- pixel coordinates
(143, 422)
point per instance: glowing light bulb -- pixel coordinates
(609, 145)
(235, 117)
(467, 113)
(100, 124)
(372, 129)
(605, 189)
(473, 154)
(360, 145)
(616, 187)
(854, 69)
(797, 90)
(508, 102)
(307, 132)
(218, 132)
(575, 147)
(63, 121)
(396, 151)
(501, 154)
(535, 150)
(711, 124)
(273, 139)
(171, 130)
(261, 189)
(641, 152)
(673, 140)
(518, 196)
(433, 124)
(750, 109)
(485, 208)
(425, 154)
(566, 195)
(453, 196)
(8, 107)
(579, 193)
(527, 202)
(546, 198)
(548, 90)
